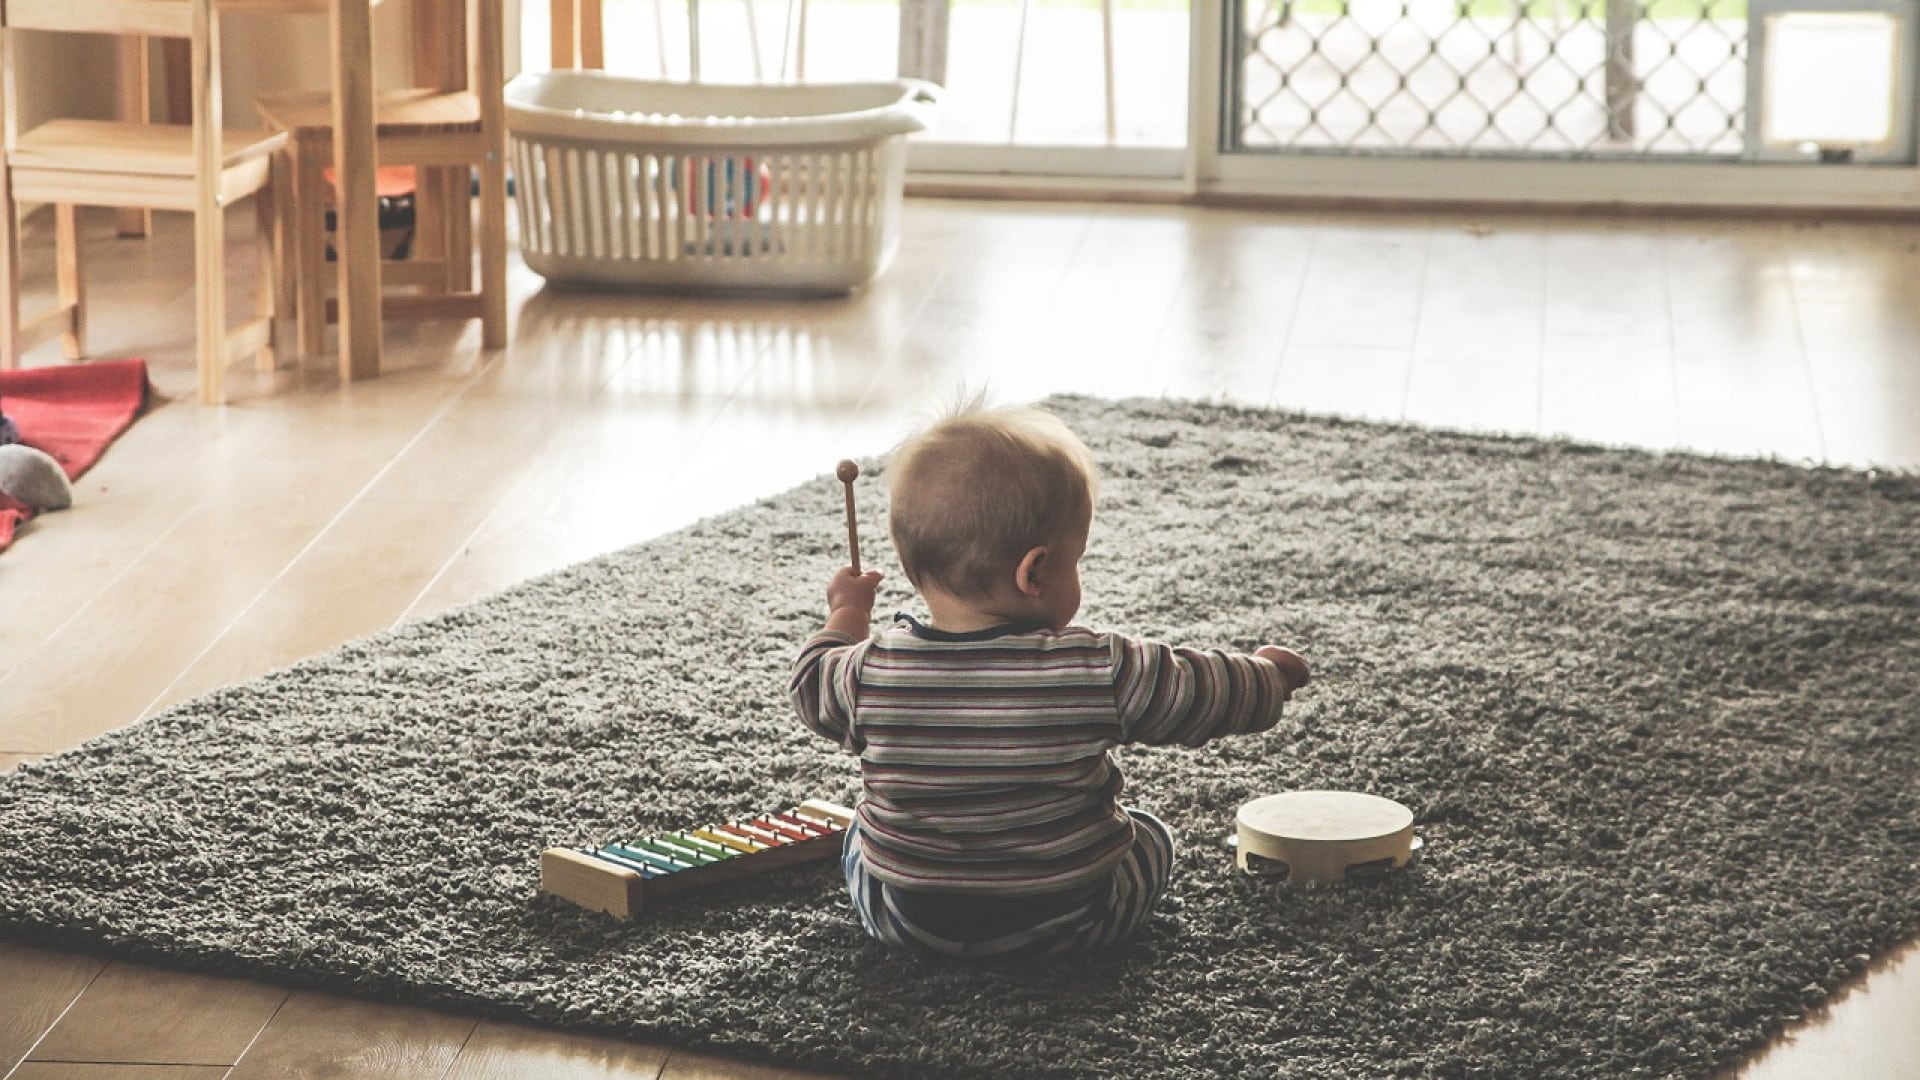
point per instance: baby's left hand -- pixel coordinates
(1293, 666)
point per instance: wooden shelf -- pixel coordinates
(126, 146)
(419, 111)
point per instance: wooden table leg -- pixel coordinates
(357, 208)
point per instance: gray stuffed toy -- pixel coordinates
(34, 478)
(9, 432)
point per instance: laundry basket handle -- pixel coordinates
(594, 105)
(918, 100)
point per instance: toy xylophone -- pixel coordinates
(618, 878)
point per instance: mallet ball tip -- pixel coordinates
(848, 471)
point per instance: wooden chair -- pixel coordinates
(198, 167)
(444, 130)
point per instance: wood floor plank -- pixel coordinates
(1235, 306)
(1364, 382)
(1365, 284)
(1477, 347)
(1740, 362)
(1871, 1033)
(1607, 369)
(9, 761)
(1615, 391)
(1850, 262)
(66, 559)
(695, 1065)
(106, 665)
(1607, 279)
(161, 571)
(92, 1070)
(317, 1036)
(36, 987)
(353, 580)
(573, 505)
(137, 1014)
(35, 607)
(1109, 311)
(1865, 380)
(499, 1051)
(580, 497)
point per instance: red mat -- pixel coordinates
(71, 413)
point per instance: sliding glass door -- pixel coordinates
(1095, 87)
(1670, 101)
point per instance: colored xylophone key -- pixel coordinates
(618, 877)
(733, 843)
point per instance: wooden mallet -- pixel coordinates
(848, 472)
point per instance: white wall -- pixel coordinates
(54, 76)
(261, 53)
(73, 74)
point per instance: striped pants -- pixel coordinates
(1086, 921)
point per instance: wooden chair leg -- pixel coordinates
(493, 253)
(210, 299)
(281, 209)
(457, 204)
(9, 271)
(71, 282)
(307, 210)
(429, 243)
(266, 231)
(135, 104)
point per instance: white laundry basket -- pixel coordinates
(630, 182)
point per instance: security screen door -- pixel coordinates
(1825, 82)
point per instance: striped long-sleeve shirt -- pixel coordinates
(984, 755)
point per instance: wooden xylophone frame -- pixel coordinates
(618, 878)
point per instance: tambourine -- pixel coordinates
(1325, 836)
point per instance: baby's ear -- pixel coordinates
(1026, 576)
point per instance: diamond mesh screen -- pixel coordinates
(1563, 78)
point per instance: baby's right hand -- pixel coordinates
(851, 591)
(1293, 667)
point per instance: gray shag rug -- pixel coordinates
(1658, 717)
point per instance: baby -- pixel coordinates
(990, 825)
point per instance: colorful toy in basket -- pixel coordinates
(727, 188)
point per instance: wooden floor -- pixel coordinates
(211, 545)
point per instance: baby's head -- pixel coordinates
(978, 494)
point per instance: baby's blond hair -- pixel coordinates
(977, 489)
